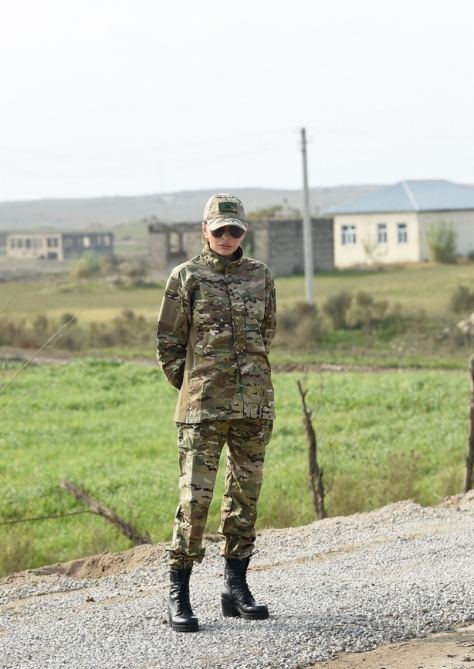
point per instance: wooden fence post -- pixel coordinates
(315, 473)
(97, 507)
(470, 439)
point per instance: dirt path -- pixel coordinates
(448, 650)
(62, 357)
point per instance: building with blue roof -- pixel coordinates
(390, 225)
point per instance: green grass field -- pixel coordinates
(422, 290)
(419, 286)
(108, 427)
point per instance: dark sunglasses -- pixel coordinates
(233, 230)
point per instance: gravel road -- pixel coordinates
(339, 585)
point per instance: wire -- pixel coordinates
(50, 339)
(27, 520)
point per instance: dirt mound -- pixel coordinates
(97, 566)
(459, 502)
(107, 564)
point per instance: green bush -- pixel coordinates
(441, 238)
(88, 265)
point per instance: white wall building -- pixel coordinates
(59, 245)
(389, 225)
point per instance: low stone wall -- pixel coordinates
(277, 243)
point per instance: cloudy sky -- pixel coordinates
(123, 97)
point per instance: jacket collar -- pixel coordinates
(221, 263)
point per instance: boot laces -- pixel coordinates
(244, 591)
(238, 583)
(183, 598)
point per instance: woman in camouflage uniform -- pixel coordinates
(216, 324)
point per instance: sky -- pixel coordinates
(128, 97)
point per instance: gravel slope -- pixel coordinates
(342, 584)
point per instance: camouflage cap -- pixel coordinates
(224, 209)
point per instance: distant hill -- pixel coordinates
(73, 214)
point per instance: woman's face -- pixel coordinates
(225, 245)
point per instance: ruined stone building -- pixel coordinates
(277, 243)
(58, 245)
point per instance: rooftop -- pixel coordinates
(413, 195)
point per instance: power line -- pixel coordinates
(151, 163)
(391, 134)
(156, 147)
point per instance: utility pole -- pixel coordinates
(307, 236)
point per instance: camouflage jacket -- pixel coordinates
(215, 327)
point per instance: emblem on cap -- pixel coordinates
(226, 207)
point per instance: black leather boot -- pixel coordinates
(236, 597)
(181, 616)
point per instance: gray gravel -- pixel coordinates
(343, 584)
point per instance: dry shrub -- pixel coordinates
(126, 329)
(462, 301)
(19, 334)
(366, 310)
(346, 311)
(9, 331)
(299, 326)
(108, 264)
(336, 308)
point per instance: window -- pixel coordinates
(176, 243)
(381, 233)
(86, 241)
(348, 234)
(402, 233)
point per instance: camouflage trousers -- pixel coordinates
(200, 446)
